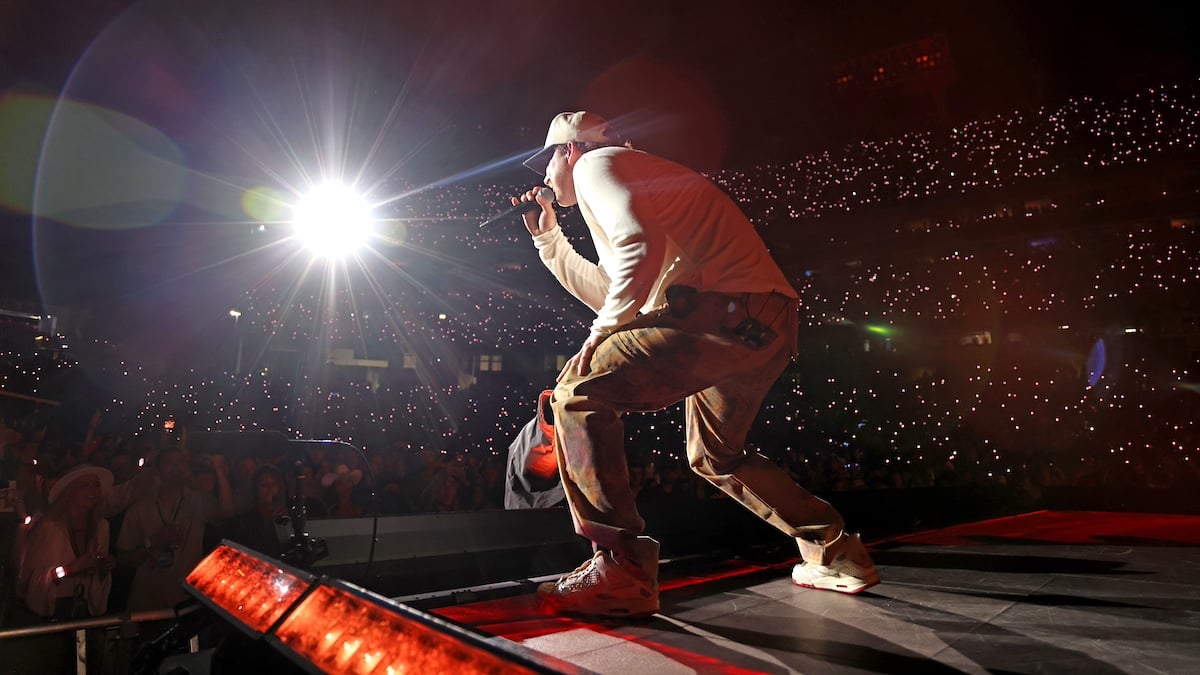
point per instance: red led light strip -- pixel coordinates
(253, 592)
(339, 631)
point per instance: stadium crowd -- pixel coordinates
(991, 323)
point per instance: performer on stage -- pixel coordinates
(689, 306)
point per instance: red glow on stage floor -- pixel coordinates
(1070, 527)
(524, 617)
(517, 619)
(756, 626)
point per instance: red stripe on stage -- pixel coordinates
(1071, 527)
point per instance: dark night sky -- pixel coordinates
(239, 92)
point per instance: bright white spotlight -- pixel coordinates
(332, 221)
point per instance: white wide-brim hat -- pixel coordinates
(79, 471)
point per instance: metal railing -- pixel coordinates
(80, 628)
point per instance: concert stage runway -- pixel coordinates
(1050, 591)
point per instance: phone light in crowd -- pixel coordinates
(332, 221)
(60, 572)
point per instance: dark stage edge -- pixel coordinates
(1043, 592)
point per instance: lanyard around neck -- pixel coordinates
(174, 515)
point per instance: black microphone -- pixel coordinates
(521, 208)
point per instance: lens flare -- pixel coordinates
(23, 122)
(103, 169)
(264, 204)
(1189, 386)
(1095, 363)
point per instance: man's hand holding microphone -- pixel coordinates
(539, 221)
(536, 206)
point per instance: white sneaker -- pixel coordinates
(602, 587)
(849, 568)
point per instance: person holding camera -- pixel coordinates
(689, 306)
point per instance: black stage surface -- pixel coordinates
(1049, 591)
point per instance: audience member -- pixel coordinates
(257, 527)
(163, 535)
(64, 568)
(339, 486)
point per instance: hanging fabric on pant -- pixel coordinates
(531, 479)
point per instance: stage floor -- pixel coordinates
(1049, 591)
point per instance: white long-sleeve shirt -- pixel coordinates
(654, 224)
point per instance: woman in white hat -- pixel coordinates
(65, 568)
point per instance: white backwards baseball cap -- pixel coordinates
(564, 128)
